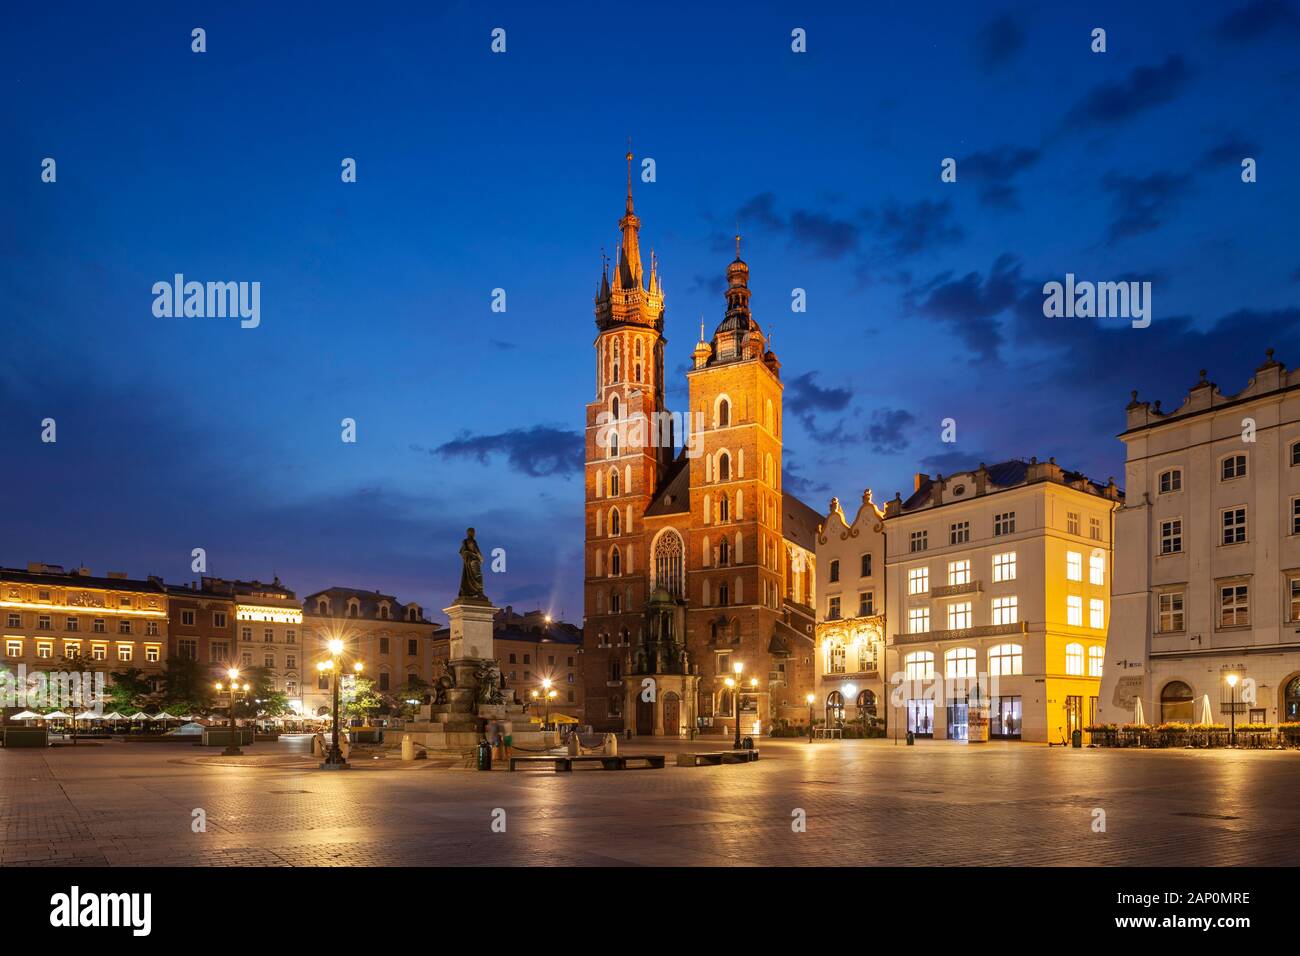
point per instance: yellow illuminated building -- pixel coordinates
(999, 588)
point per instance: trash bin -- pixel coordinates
(747, 743)
(911, 738)
(1076, 738)
(484, 755)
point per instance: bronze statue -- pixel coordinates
(471, 575)
(487, 676)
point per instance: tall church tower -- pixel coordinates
(736, 557)
(625, 458)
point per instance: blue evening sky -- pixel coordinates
(479, 170)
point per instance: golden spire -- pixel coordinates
(629, 174)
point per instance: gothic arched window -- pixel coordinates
(669, 564)
(724, 466)
(613, 483)
(724, 413)
(724, 509)
(615, 562)
(614, 519)
(613, 407)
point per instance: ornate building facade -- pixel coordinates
(696, 559)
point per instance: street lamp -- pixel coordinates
(546, 696)
(1232, 684)
(334, 667)
(810, 698)
(232, 747)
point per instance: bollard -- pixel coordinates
(408, 747)
(573, 748)
(484, 754)
(611, 745)
(911, 738)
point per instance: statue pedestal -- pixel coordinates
(470, 622)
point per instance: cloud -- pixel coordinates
(952, 462)
(1140, 204)
(797, 484)
(887, 431)
(998, 41)
(969, 304)
(1230, 152)
(992, 171)
(1145, 88)
(538, 452)
(761, 209)
(503, 346)
(906, 229)
(822, 234)
(1256, 20)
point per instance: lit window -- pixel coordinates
(1171, 480)
(1074, 659)
(44, 649)
(918, 620)
(1234, 466)
(1096, 658)
(1171, 612)
(1234, 525)
(151, 653)
(99, 652)
(1006, 610)
(72, 649)
(1006, 660)
(1004, 566)
(959, 662)
(124, 652)
(1097, 614)
(1097, 568)
(1234, 605)
(1073, 566)
(918, 580)
(919, 665)
(959, 616)
(1074, 611)
(13, 648)
(958, 572)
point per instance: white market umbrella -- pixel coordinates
(162, 716)
(139, 715)
(1138, 716)
(26, 715)
(88, 715)
(113, 715)
(56, 715)
(185, 720)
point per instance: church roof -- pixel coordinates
(800, 523)
(674, 494)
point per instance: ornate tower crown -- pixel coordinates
(630, 299)
(738, 336)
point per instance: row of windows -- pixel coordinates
(1233, 606)
(72, 649)
(1003, 524)
(1231, 467)
(45, 622)
(188, 618)
(1005, 660)
(1005, 610)
(866, 605)
(354, 610)
(1233, 528)
(268, 635)
(864, 568)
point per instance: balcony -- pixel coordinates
(966, 633)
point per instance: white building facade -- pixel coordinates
(1208, 559)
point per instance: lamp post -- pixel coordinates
(810, 698)
(545, 696)
(1232, 685)
(232, 748)
(334, 667)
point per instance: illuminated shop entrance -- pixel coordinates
(1004, 720)
(920, 716)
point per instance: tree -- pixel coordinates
(414, 689)
(187, 686)
(129, 689)
(364, 700)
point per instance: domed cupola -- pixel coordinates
(737, 336)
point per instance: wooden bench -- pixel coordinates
(560, 764)
(716, 757)
(620, 761)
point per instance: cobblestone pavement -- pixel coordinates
(866, 802)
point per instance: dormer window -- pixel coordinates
(354, 608)
(322, 606)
